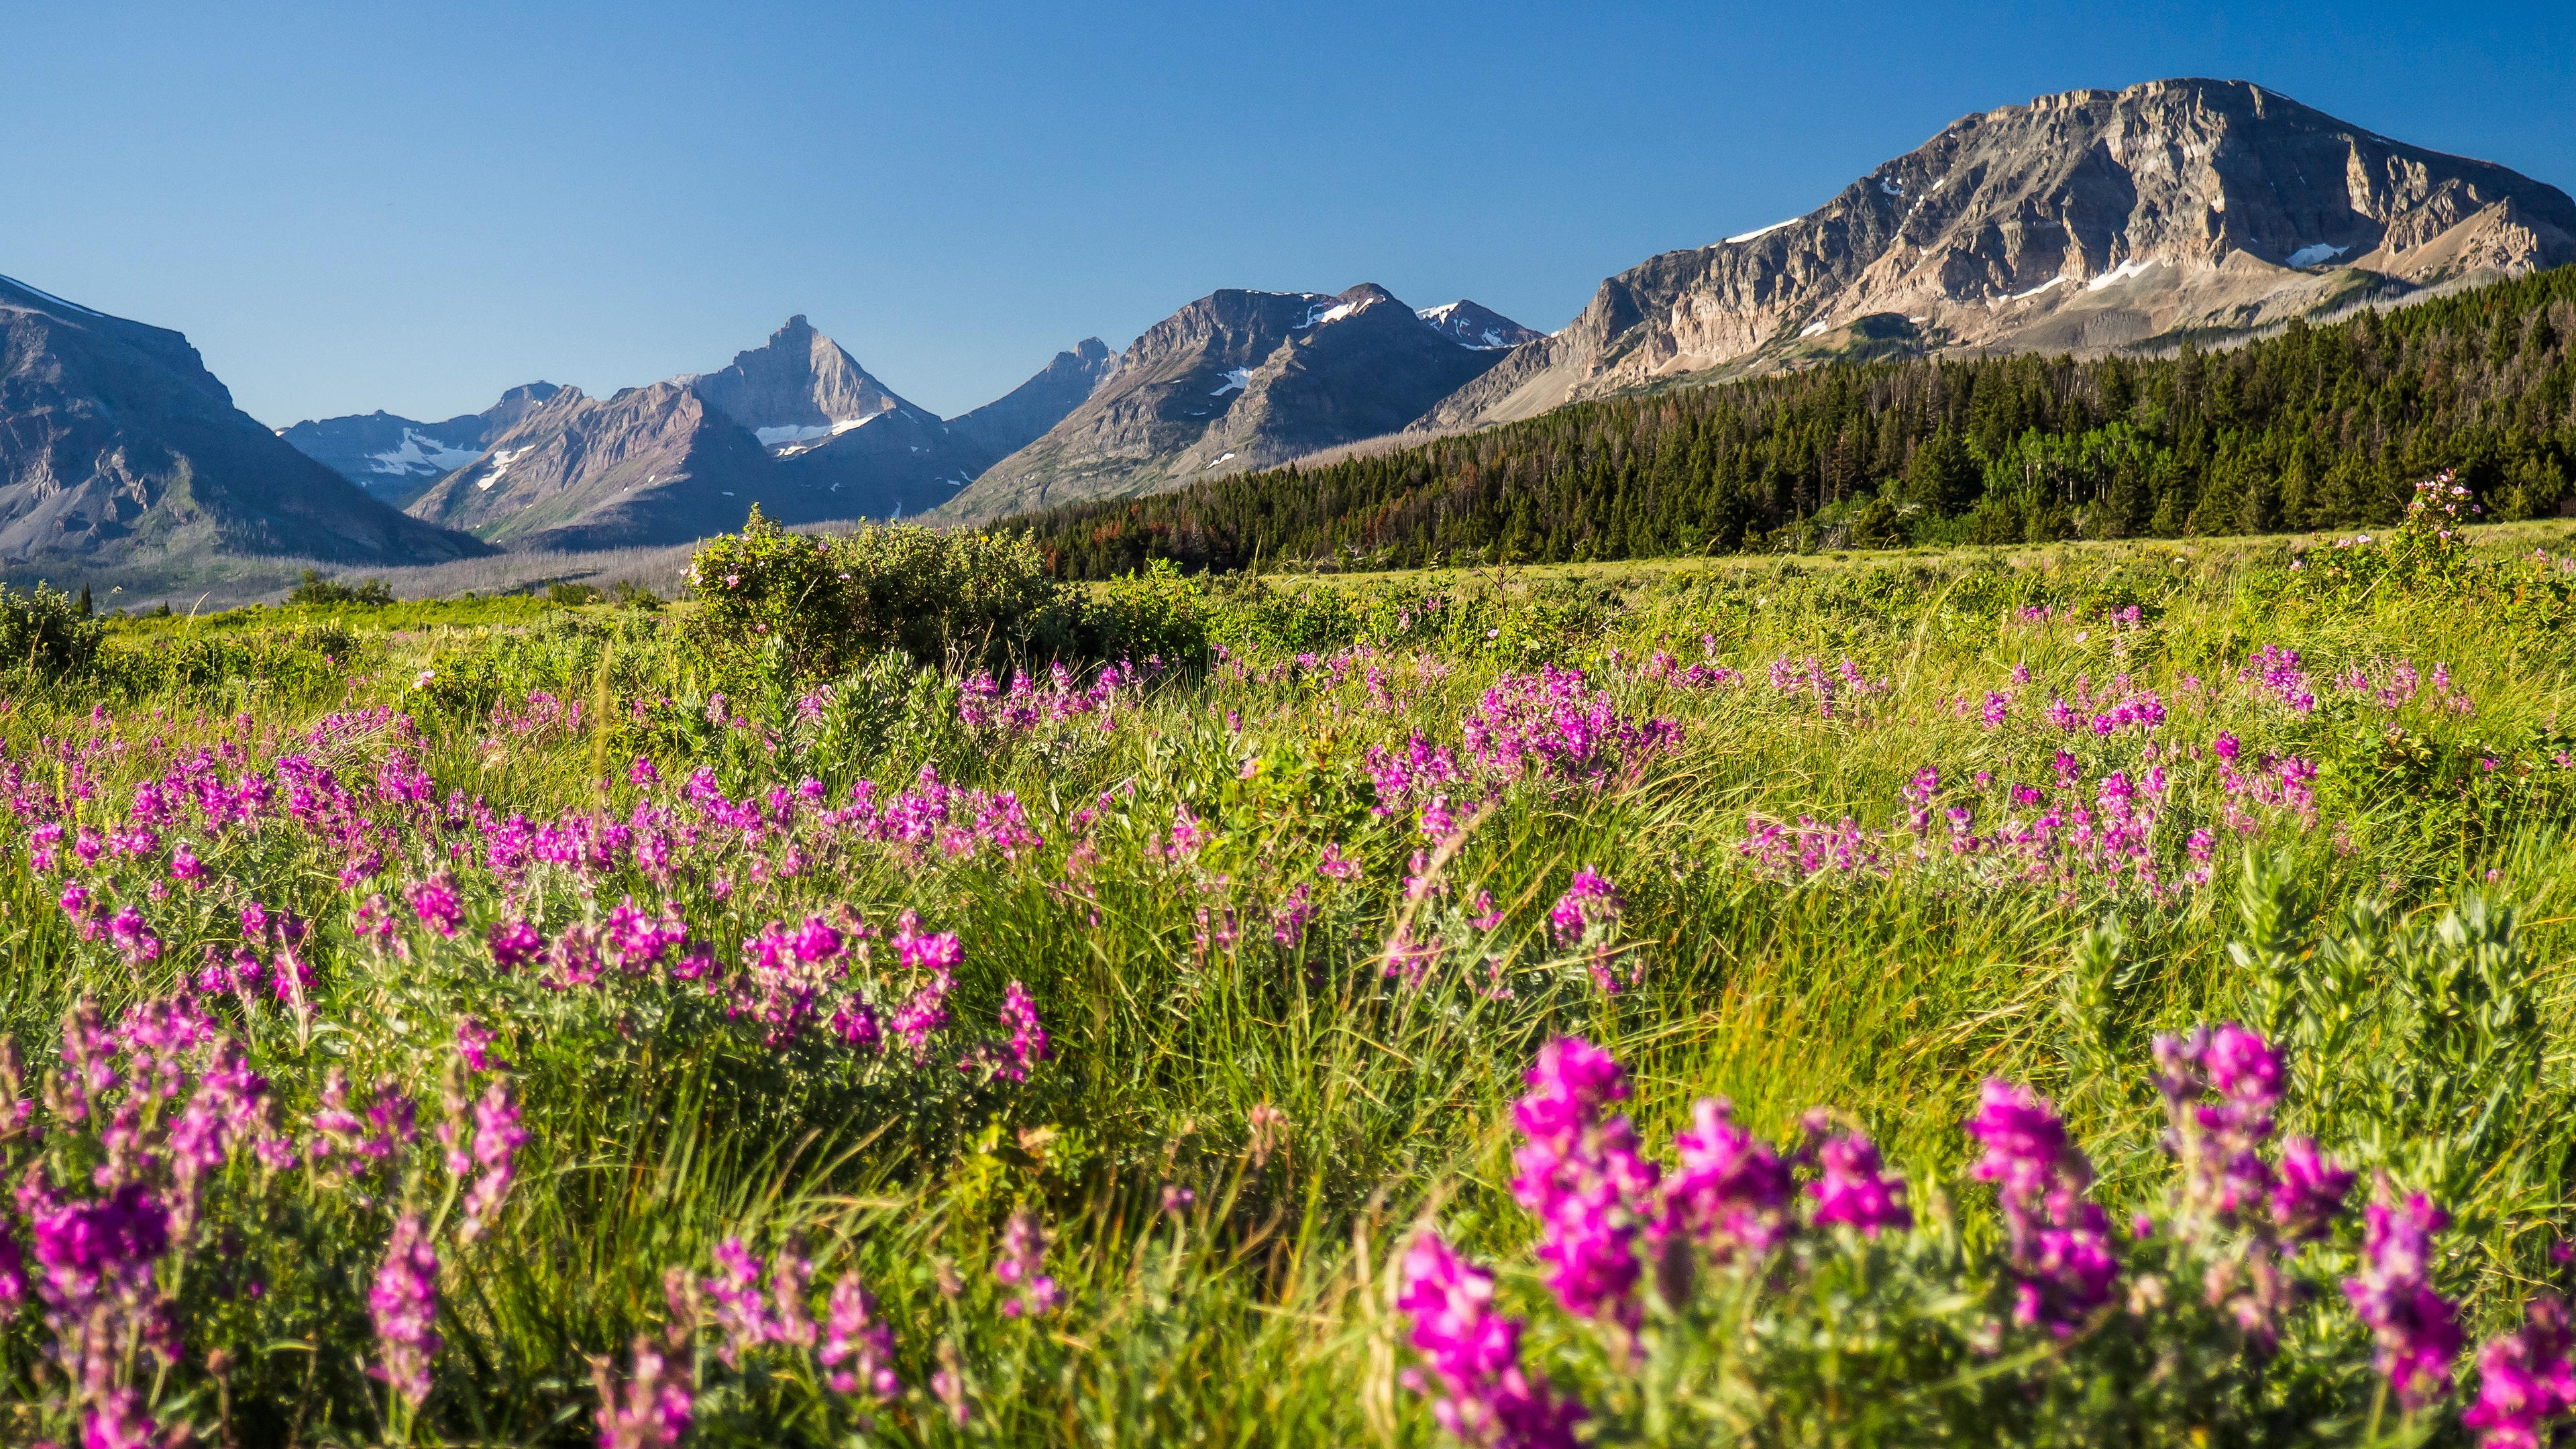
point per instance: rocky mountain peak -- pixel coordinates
(1471, 325)
(798, 387)
(2082, 221)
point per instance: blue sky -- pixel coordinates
(353, 206)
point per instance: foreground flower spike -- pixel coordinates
(651, 1409)
(1856, 1190)
(1022, 1265)
(1731, 1192)
(853, 1334)
(2526, 1381)
(2250, 1217)
(404, 1303)
(2417, 1329)
(1581, 1176)
(2060, 1243)
(1479, 1392)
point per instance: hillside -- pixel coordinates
(2315, 427)
(120, 453)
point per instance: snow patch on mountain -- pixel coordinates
(421, 456)
(501, 462)
(1747, 236)
(2130, 268)
(1239, 377)
(2316, 255)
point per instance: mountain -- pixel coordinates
(2080, 222)
(795, 425)
(120, 451)
(395, 458)
(1235, 380)
(1021, 416)
(1470, 325)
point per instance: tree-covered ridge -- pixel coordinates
(2316, 426)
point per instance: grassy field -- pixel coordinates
(1201, 991)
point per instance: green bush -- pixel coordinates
(1156, 612)
(830, 601)
(46, 633)
(315, 589)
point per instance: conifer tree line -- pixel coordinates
(2312, 427)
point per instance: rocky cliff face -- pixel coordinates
(395, 458)
(1235, 380)
(2081, 221)
(119, 450)
(795, 425)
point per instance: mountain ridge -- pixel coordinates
(120, 450)
(1233, 380)
(2086, 220)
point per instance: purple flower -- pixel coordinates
(1581, 1176)
(1731, 1191)
(1590, 901)
(2311, 1191)
(2417, 1330)
(741, 1310)
(651, 1409)
(497, 1140)
(405, 1305)
(855, 1335)
(2525, 1379)
(435, 902)
(1022, 1265)
(514, 944)
(1856, 1190)
(2059, 1243)
(1479, 1391)
(1028, 1037)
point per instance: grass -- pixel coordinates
(1260, 1311)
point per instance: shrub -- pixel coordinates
(46, 633)
(1156, 612)
(316, 589)
(827, 601)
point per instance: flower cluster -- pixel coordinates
(2251, 1214)
(2415, 1328)
(1472, 1353)
(2060, 1241)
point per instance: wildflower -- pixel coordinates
(1583, 1179)
(855, 1335)
(1479, 1391)
(2060, 1244)
(741, 1310)
(949, 1386)
(1856, 1190)
(497, 1140)
(435, 902)
(1590, 901)
(652, 1408)
(2526, 1379)
(2417, 1329)
(2310, 1193)
(514, 944)
(1731, 1190)
(1021, 1266)
(1028, 1037)
(405, 1305)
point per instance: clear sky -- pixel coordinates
(349, 206)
